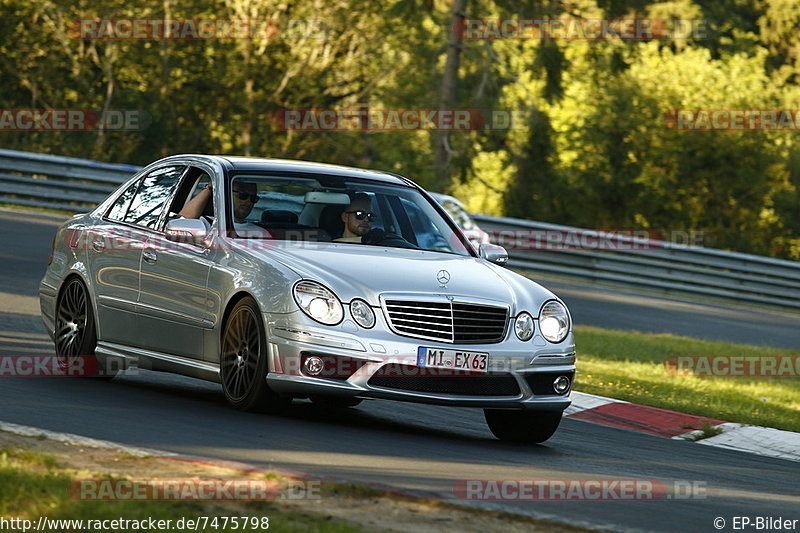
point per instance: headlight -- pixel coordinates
(362, 313)
(554, 321)
(523, 326)
(318, 302)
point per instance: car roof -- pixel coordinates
(255, 164)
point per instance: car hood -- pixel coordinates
(359, 271)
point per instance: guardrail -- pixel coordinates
(57, 182)
(76, 185)
(644, 262)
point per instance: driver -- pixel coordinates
(357, 218)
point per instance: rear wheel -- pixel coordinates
(75, 334)
(243, 361)
(522, 426)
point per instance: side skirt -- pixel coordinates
(149, 360)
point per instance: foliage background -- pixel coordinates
(593, 150)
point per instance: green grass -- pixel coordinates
(358, 491)
(706, 431)
(31, 485)
(630, 366)
(22, 456)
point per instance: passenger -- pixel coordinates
(245, 196)
(194, 208)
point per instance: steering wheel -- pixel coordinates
(378, 237)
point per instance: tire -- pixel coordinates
(75, 331)
(335, 401)
(529, 427)
(243, 361)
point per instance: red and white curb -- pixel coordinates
(672, 424)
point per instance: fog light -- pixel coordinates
(561, 384)
(313, 365)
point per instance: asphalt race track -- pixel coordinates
(423, 448)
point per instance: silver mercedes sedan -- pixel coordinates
(287, 280)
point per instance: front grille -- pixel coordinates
(455, 322)
(417, 379)
(541, 383)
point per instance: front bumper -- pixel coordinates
(378, 363)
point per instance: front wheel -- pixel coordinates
(531, 427)
(243, 361)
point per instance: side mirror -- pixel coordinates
(494, 253)
(191, 230)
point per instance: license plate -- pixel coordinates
(452, 359)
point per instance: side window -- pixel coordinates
(120, 207)
(202, 181)
(152, 197)
(199, 179)
(194, 181)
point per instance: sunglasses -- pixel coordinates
(361, 215)
(244, 195)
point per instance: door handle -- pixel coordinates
(149, 256)
(98, 246)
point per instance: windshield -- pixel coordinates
(459, 215)
(335, 209)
